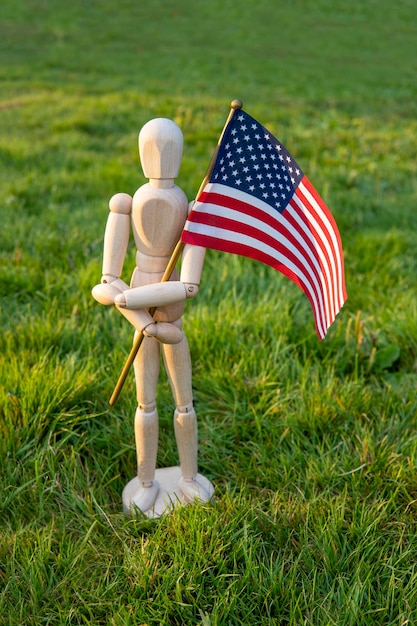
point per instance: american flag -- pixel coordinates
(258, 203)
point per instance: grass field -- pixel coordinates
(312, 446)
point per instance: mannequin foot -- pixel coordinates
(144, 498)
(192, 490)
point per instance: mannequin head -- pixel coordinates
(160, 148)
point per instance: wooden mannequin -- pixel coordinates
(157, 214)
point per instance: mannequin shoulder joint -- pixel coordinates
(121, 203)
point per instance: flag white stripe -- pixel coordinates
(320, 239)
(336, 251)
(221, 211)
(224, 234)
(331, 307)
(327, 288)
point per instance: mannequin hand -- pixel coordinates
(164, 332)
(105, 293)
(120, 300)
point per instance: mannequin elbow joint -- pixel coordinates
(191, 291)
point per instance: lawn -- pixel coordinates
(311, 446)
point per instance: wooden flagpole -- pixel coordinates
(235, 104)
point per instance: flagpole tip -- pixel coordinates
(236, 104)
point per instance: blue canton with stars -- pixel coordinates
(254, 161)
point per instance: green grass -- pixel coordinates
(312, 446)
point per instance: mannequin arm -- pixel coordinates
(116, 240)
(116, 237)
(159, 294)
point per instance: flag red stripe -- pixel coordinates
(299, 221)
(267, 218)
(325, 241)
(277, 220)
(309, 238)
(333, 237)
(332, 221)
(203, 214)
(242, 228)
(309, 241)
(308, 217)
(324, 236)
(215, 243)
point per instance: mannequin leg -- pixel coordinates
(186, 435)
(178, 365)
(146, 365)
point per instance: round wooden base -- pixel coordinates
(169, 494)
